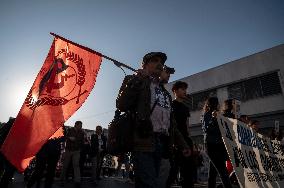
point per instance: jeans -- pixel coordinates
(147, 165)
(75, 157)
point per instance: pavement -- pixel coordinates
(106, 182)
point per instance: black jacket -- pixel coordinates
(210, 128)
(95, 144)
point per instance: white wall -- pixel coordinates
(259, 63)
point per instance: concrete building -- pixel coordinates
(256, 80)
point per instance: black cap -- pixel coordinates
(150, 55)
(169, 69)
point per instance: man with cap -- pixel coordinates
(143, 95)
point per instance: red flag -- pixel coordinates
(64, 82)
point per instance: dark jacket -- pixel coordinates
(77, 144)
(135, 96)
(210, 128)
(95, 144)
(52, 148)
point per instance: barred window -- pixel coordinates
(253, 88)
(270, 84)
(197, 100)
(236, 91)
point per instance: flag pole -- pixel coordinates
(117, 63)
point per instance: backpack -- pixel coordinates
(121, 128)
(120, 133)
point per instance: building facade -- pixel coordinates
(256, 80)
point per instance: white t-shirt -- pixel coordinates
(160, 116)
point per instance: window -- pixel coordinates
(197, 100)
(253, 88)
(270, 84)
(236, 91)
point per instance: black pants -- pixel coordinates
(186, 167)
(46, 162)
(218, 156)
(83, 157)
(173, 170)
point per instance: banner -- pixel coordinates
(257, 160)
(64, 82)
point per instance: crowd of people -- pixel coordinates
(161, 139)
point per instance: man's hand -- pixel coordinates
(143, 73)
(186, 152)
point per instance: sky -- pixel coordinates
(196, 35)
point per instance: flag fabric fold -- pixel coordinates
(63, 84)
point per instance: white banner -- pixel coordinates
(257, 160)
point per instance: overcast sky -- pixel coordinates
(195, 34)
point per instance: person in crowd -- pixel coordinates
(143, 95)
(123, 166)
(120, 159)
(245, 119)
(74, 143)
(108, 165)
(130, 168)
(7, 169)
(84, 153)
(215, 147)
(46, 160)
(181, 114)
(228, 108)
(98, 148)
(127, 164)
(274, 135)
(254, 124)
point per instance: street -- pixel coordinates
(106, 182)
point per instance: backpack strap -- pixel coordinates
(153, 107)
